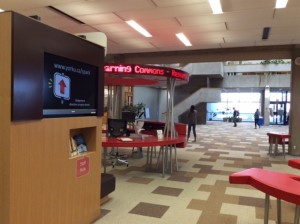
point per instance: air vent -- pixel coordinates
(266, 32)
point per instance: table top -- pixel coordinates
(147, 141)
(279, 134)
(280, 185)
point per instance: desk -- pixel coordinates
(278, 139)
(167, 145)
(279, 185)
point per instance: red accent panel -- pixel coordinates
(117, 81)
(82, 166)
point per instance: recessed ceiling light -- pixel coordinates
(281, 4)
(183, 39)
(215, 6)
(138, 28)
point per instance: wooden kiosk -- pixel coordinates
(39, 181)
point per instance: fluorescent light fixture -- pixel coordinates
(183, 39)
(138, 28)
(215, 6)
(281, 4)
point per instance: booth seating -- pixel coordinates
(108, 185)
(279, 185)
(165, 153)
(151, 126)
(276, 139)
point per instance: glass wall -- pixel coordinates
(245, 103)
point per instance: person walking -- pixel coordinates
(235, 116)
(256, 118)
(192, 121)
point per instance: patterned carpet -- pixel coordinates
(200, 192)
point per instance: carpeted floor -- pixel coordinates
(200, 192)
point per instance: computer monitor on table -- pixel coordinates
(117, 127)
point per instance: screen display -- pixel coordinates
(70, 87)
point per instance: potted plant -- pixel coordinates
(138, 109)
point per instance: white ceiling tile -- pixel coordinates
(244, 21)
(165, 3)
(103, 18)
(249, 25)
(103, 6)
(288, 16)
(170, 12)
(246, 5)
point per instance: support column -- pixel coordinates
(169, 126)
(115, 101)
(294, 120)
(266, 106)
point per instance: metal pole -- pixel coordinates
(267, 205)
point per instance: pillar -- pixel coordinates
(294, 122)
(266, 112)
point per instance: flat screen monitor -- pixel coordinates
(128, 116)
(116, 127)
(70, 87)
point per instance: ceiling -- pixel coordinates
(241, 24)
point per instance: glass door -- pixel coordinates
(278, 112)
(279, 107)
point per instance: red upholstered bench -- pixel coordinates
(279, 185)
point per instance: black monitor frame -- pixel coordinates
(31, 40)
(117, 127)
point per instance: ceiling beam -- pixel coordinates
(208, 55)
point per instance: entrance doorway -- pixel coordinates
(279, 112)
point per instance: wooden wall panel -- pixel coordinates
(44, 176)
(294, 121)
(5, 102)
(38, 182)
